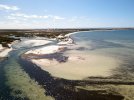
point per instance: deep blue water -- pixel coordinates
(106, 39)
(103, 35)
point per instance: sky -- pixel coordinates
(19, 14)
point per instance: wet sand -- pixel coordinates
(79, 65)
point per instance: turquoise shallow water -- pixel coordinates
(118, 42)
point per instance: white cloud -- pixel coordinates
(27, 16)
(21, 16)
(7, 7)
(24, 20)
(11, 17)
(21, 20)
(33, 16)
(58, 17)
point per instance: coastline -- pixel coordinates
(88, 31)
(60, 61)
(55, 64)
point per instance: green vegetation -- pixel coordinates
(49, 34)
(6, 40)
(10, 33)
(21, 85)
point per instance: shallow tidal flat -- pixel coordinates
(73, 61)
(79, 65)
(101, 67)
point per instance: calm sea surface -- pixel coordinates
(118, 42)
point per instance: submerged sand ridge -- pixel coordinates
(79, 64)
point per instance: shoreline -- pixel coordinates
(64, 58)
(89, 31)
(71, 57)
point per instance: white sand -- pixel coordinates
(79, 66)
(68, 42)
(45, 50)
(33, 42)
(75, 33)
(1, 47)
(4, 51)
